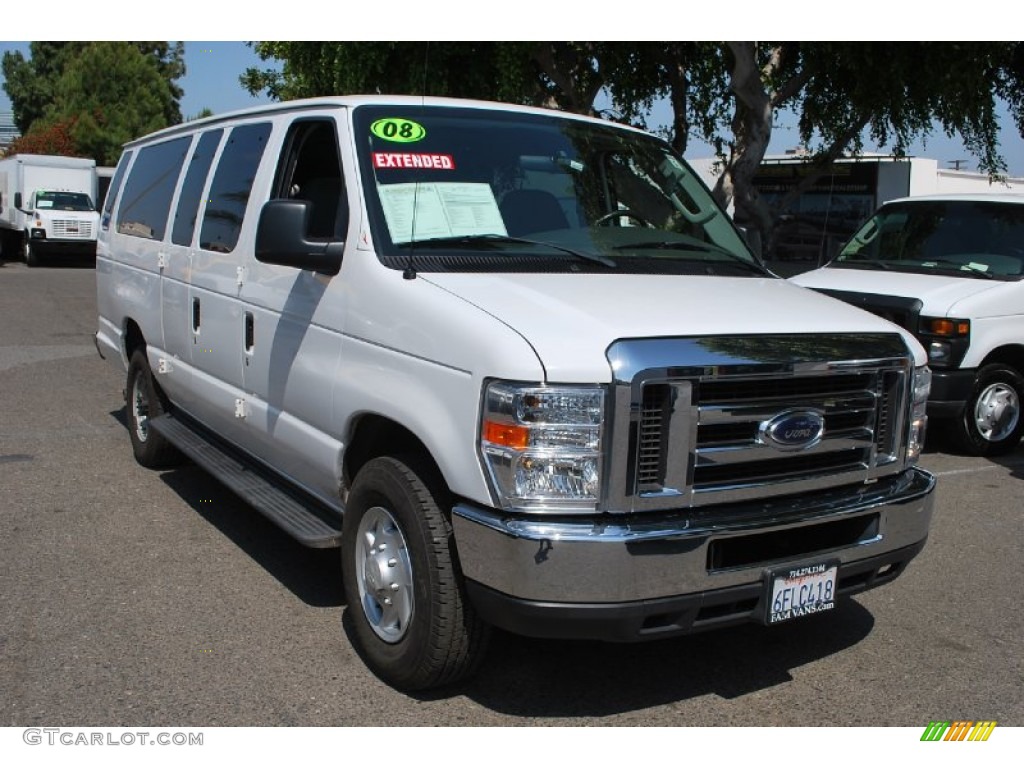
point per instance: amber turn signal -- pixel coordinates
(509, 435)
(943, 326)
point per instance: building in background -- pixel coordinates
(8, 130)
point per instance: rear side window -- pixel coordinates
(146, 205)
(115, 187)
(192, 190)
(232, 184)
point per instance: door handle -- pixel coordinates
(250, 332)
(195, 314)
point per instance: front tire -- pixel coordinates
(404, 588)
(31, 254)
(145, 402)
(991, 423)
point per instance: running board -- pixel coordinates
(307, 520)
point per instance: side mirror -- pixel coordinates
(17, 200)
(281, 239)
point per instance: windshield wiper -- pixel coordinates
(674, 245)
(959, 267)
(472, 241)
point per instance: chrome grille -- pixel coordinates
(694, 434)
(650, 464)
(71, 229)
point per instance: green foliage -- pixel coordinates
(691, 76)
(555, 74)
(108, 92)
(30, 83)
(905, 91)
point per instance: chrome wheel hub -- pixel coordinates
(140, 409)
(997, 412)
(384, 575)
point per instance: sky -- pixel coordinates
(213, 69)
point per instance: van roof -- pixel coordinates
(973, 197)
(322, 102)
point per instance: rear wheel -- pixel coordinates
(145, 402)
(402, 581)
(991, 422)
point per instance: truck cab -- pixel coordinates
(58, 222)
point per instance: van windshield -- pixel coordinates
(64, 201)
(492, 190)
(966, 238)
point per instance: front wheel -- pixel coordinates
(145, 402)
(31, 254)
(991, 422)
(402, 580)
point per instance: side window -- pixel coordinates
(146, 204)
(192, 189)
(232, 184)
(115, 187)
(310, 170)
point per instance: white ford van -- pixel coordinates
(516, 363)
(948, 268)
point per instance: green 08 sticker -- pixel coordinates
(397, 129)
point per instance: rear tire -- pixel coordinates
(145, 402)
(991, 423)
(404, 588)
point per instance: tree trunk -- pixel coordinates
(576, 81)
(752, 131)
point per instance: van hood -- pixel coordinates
(570, 320)
(939, 294)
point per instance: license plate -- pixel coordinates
(801, 591)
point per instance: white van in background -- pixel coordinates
(949, 269)
(47, 207)
(516, 363)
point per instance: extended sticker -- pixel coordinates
(397, 129)
(413, 160)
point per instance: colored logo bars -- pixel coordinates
(959, 730)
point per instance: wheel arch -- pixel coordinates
(373, 436)
(132, 338)
(1008, 354)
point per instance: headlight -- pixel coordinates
(541, 446)
(918, 415)
(939, 352)
(946, 339)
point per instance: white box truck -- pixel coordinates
(47, 207)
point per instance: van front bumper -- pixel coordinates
(625, 578)
(950, 390)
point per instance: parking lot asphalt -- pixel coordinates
(133, 597)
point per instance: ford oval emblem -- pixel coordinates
(793, 430)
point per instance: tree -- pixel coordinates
(561, 75)
(109, 92)
(689, 76)
(55, 139)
